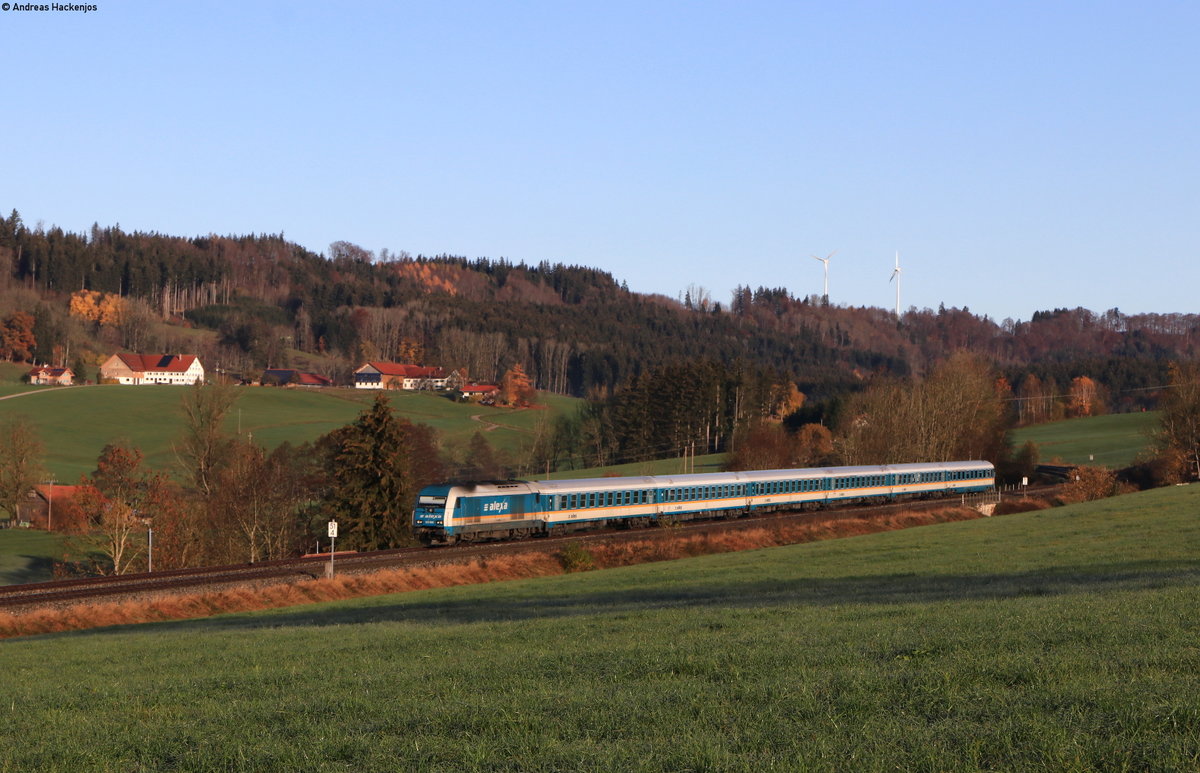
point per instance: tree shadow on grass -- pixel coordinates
(36, 569)
(500, 603)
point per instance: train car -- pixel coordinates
(448, 513)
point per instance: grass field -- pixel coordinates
(27, 555)
(1059, 640)
(1110, 441)
(701, 464)
(75, 424)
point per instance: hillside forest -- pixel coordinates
(768, 378)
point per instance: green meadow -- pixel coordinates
(1059, 640)
(76, 423)
(27, 555)
(1112, 441)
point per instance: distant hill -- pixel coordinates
(253, 301)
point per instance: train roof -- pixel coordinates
(722, 478)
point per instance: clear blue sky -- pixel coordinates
(1019, 155)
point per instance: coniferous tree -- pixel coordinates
(378, 464)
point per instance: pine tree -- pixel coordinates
(379, 463)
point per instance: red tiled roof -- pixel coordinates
(297, 377)
(61, 493)
(312, 379)
(159, 363)
(46, 369)
(480, 388)
(406, 371)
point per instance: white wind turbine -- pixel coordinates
(896, 276)
(825, 260)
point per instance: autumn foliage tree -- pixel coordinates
(17, 342)
(516, 389)
(786, 399)
(104, 309)
(1083, 399)
(121, 502)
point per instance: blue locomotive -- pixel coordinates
(451, 512)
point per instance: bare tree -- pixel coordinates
(1179, 425)
(204, 445)
(20, 462)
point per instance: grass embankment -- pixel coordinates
(1060, 640)
(1108, 441)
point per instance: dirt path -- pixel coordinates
(42, 391)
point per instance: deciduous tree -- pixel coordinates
(1084, 398)
(17, 341)
(121, 501)
(954, 414)
(204, 446)
(516, 390)
(20, 462)
(1179, 423)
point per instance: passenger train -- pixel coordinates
(450, 512)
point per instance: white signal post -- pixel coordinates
(332, 540)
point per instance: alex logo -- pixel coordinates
(496, 507)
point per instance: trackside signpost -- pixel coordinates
(332, 540)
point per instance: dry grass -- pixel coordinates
(657, 546)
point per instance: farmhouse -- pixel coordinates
(127, 368)
(479, 392)
(294, 378)
(47, 375)
(43, 502)
(390, 375)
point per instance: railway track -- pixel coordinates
(61, 593)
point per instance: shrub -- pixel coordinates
(1090, 483)
(576, 558)
(1164, 469)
